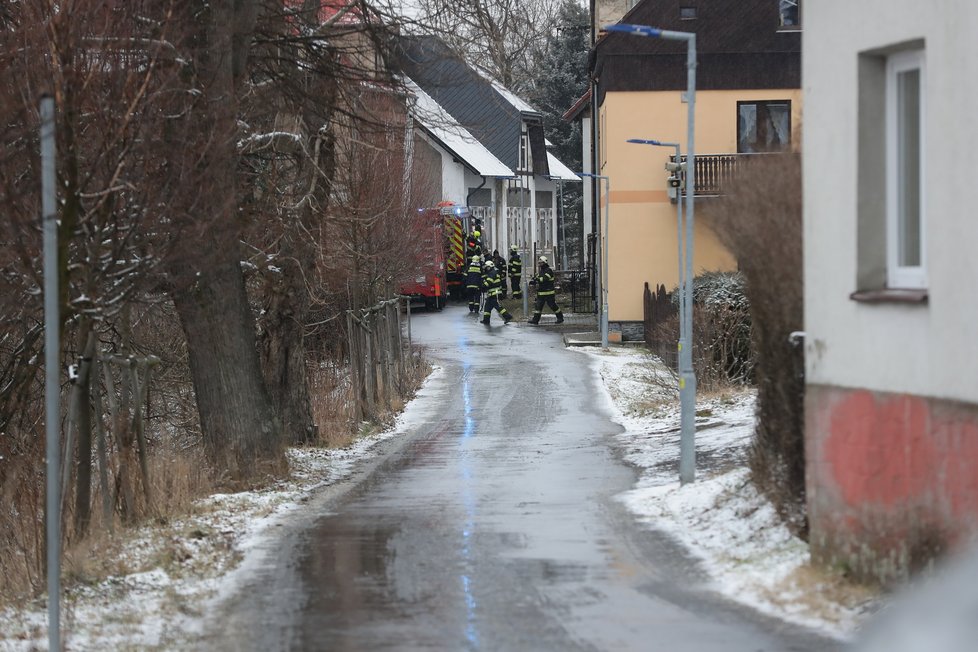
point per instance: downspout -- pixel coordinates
(595, 201)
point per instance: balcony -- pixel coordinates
(715, 172)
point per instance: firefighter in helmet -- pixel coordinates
(473, 282)
(500, 264)
(473, 245)
(545, 282)
(515, 271)
(494, 287)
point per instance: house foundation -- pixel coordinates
(891, 479)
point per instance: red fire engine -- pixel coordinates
(438, 268)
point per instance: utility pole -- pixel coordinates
(52, 364)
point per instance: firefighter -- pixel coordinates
(515, 271)
(473, 246)
(546, 291)
(494, 287)
(473, 282)
(500, 264)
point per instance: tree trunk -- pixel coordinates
(240, 427)
(282, 340)
(81, 394)
(241, 431)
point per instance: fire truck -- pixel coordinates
(437, 271)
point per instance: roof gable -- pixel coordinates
(438, 124)
(469, 98)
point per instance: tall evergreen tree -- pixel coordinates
(560, 81)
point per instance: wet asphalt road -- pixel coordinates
(491, 527)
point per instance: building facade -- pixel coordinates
(890, 303)
(748, 101)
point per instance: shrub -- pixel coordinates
(722, 350)
(760, 223)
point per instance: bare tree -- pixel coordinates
(504, 38)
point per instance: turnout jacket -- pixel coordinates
(473, 275)
(493, 283)
(515, 265)
(545, 281)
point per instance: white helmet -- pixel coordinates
(476, 258)
(490, 264)
(543, 259)
(513, 248)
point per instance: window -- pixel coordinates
(687, 13)
(763, 126)
(905, 219)
(790, 14)
(524, 150)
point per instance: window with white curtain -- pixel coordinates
(763, 126)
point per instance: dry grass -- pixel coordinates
(821, 591)
(331, 395)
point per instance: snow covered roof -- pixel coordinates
(511, 97)
(560, 171)
(453, 136)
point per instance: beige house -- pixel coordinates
(748, 102)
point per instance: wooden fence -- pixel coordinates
(659, 309)
(378, 365)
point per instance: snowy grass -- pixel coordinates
(720, 517)
(166, 573)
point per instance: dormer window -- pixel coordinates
(790, 14)
(687, 13)
(524, 150)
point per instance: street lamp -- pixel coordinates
(687, 447)
(687, 377)
(604, 254)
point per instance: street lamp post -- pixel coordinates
(604, 254)
(687, 448)
(687, 377)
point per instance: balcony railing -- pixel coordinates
(715, 172)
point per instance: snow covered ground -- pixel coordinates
(169, 574)
(720, 517)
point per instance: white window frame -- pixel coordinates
(524, 149)
(899, 275)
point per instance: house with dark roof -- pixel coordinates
(519, 207)
(748, 101)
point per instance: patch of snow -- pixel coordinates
(720, 518)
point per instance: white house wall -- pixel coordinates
(891, 397)
(452, 179)
(925, 350)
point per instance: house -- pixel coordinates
(748, 101)
(891, 424)
(452, 157)
(517, 206)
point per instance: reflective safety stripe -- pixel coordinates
(456, 259)
(546, 293)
